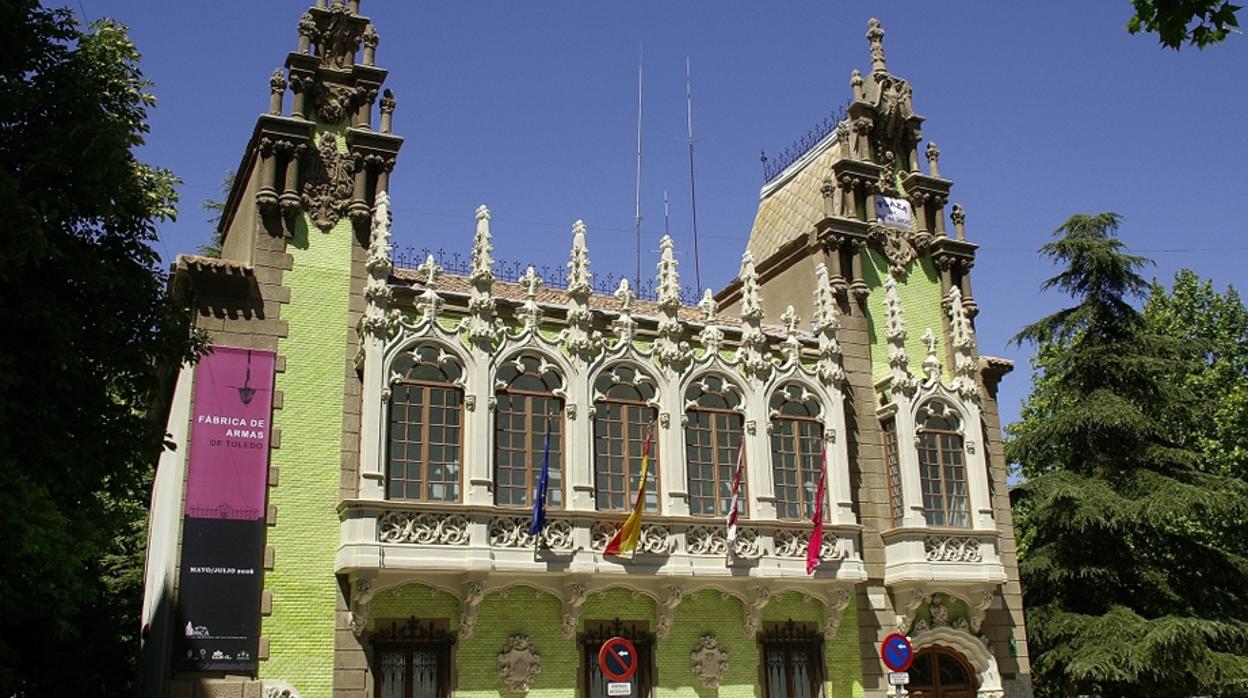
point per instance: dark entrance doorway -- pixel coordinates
(938, 672)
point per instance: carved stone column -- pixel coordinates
(266, 196)
(289, 201)
(277, 90)
(358, 209)
(388, 103)
(371, 39)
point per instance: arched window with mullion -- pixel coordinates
(713, 426)
(796, 451)
(425, 430)
(529, 399)
(624, 413)
(942, 466)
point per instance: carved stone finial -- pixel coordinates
(482, 248)
(667, 346)
(668, 278)
(578, 264)
(855, 83)
(307, 32)
(958, 216)
(708, 661)
(875, 37)
(751, 299)
(579, 338)
(708, 306)
(625, 296)
(371, 40)
(431, 271)
(790, 320)
(386, 105)
(277, 88)
(962, 336)
(519, 664)
(530, 310)
(933, 159)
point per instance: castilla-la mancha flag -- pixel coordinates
(625, 539)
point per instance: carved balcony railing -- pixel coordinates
(941, 555)
(402, 535)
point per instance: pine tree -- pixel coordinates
(1132, 552)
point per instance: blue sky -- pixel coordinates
(1040, 110)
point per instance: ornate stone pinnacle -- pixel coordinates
(482, 247)
(931, 364)
(751, 300)
(825, 302)
(578, 263)
(277, 83)
(875, 37)
(933, 159)
(958, 216)
(307, 32)
(962, 335)
(708, 306)
(669, 278)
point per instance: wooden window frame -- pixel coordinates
(801, 466)
(424, 443)
(931, 441)
(629, 493)
(534, 446)
(711, 412)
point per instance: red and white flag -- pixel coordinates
(815, 547)
(736, 495)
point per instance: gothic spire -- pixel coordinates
(895, 334)
(669, 278)
(962, 335)
(825, 326)
(668, 346)
(481, 323)
(578, 263)
(579, 338)
(875, 38)
(751, 299)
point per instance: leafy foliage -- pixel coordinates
(85, 320)
(1134, 557)
(216, 207)
(1197, 22)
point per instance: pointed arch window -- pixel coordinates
(529, 395)
(624, 411)
(426, 433)
(942, 465)
(712, 440)
(796, 451)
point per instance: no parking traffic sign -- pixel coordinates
(897, 652)
(617, 659)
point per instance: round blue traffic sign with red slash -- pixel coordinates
(618, 659)
(897, 652)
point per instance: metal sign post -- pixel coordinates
(897, 654)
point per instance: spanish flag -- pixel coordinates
(625, 539)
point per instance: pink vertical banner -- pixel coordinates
(230, 424)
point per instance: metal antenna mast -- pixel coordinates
(637, 201)
(693, 190)
(667, 215)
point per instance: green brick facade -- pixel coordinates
(303, 538)
(919, 294)
(524, 610)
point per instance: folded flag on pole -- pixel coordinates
(625, 539)
(539, 497)
(815, 547)
(736, 496)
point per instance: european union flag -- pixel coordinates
(539, 497)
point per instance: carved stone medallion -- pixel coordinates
(708, 661)
(519, 663)
(895, 244)
(330, 184)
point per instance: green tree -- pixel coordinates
(1132, 551)
(1197, 22)
(1214, 328)
(216, 207)
(85, 321)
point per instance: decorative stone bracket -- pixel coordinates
(573, 599)
(754, 611)
(469, 606)
(672, 596)
(834, 606)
